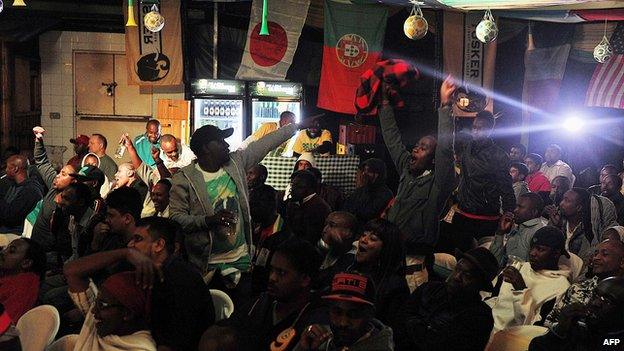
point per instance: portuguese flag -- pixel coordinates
(353, 43)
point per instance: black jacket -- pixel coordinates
(17, 203)
(368, 202)
(183, 306)
(485, 183)
(433, 320)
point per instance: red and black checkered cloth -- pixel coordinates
(396, 73)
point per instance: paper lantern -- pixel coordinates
(415, 26)
(603, 51)
(487, 31)
(153, 20)
(19, 3)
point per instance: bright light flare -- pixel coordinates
(573, 124)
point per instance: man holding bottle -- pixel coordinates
(209, 199)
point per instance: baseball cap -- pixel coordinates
(80, 139)
(88, 173)
(207, 134)
(484, 261)
(551, 237)
(352, 287)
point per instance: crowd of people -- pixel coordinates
(475, 242)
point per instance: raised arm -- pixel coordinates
(42, 162)
(444, 162)
(77, 272)
(257, 150)
(392, 138)
(134, 156)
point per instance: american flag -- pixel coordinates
(606, 88)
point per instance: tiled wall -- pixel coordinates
(57, 91)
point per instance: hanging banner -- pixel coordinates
(155, 58)
(270, 56)
(473, 51)
(353, 43)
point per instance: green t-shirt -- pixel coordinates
(223, 193)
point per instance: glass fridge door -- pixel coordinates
(269, 111)
(222, 114)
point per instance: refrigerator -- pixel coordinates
(269, 99)
(220, 103)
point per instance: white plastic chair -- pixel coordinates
(65, 343)
(515, 338)
(223, 304)
(6, 239)
(38, 327)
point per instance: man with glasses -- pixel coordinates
(119, 308)
(599, 325)
(608, 261)
(183, 306)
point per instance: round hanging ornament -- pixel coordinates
(603, 51)
(153, 20)
(415, 26)
(487, 31)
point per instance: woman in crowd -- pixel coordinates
(22, 266)
(380, 255)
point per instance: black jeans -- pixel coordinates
(241, 294)
(464, 233)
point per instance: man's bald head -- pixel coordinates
(16, 168)
(286, 118)
(347, 219)
(18, 161)
(170, 146)
(168, 138)
(608, 259)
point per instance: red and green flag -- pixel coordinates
(353, 44)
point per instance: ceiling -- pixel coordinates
(22, 23)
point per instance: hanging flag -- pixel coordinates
(543, 72)
(606, 87)
(353, 44)
(155, 58)
(270, 56)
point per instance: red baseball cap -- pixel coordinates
(352, 287)
(80, 139)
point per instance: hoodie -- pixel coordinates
(306, 156)
(523, 307)
(380, 339)
(106, 187)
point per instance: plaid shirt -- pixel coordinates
(396, 73)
